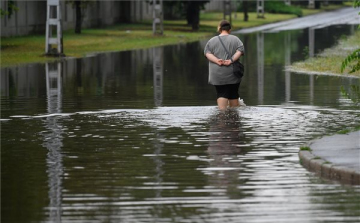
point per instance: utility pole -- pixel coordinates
(54, 29)
(158, 27)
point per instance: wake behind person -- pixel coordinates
(220, 68)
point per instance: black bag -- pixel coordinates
(238, 68)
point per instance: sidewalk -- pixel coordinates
(335, 157)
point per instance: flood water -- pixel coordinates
(136, 137)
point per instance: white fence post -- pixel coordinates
(311, 4)
(260, 8)
(53, 19)
(158, 17)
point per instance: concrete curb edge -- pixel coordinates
(328, 170)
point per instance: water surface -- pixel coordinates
(136, 137)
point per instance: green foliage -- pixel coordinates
(281, 7)
(173, 10)
(357, 4)
(354, 56)
(305, 52)
(251, 6)
(345, 131)
(10, 9)
(83, 3)
(305, 148)
(354, 94)
(80, 6)
(273, 7)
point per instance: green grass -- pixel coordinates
(307, 11)
(305, 148)
(346, 131)
(210, 21)
(30, 49)
(17, 50)
(329, 61)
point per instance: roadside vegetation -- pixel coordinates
(122, 37)
(330, 60)
(305, 148)
(346, 131)
(29, 49)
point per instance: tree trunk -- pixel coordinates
(78, 17)
(193, 14)
(196, 18)
(245, 7)
(188, 13)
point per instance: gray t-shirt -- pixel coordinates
(221, 75)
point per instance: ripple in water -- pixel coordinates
(192, 164)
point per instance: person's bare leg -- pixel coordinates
(222, 103)
(234, 103)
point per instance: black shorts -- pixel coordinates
(229, 91)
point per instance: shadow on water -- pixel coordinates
(135, 136)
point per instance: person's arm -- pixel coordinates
(214, 59)
(235, 57)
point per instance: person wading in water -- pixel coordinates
(220, 72)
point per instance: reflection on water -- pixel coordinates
(260, 65)
(158, 65)
(53, 139)
(136, 137)
(287, 47)
(195, 162)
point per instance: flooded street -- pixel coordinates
(136, 137)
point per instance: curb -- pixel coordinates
(328, 170)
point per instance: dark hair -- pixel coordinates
(224, 25)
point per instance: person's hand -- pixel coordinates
(226, 62)
(220, 62)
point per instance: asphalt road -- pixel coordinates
(320, 20)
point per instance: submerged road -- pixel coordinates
(341, 16)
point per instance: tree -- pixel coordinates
(185, 8)
(79, 5)
(193, 13)
(317, 4)
(11, 8)
(172, 9)
(191, 10)
(245, 8)
(354, 57)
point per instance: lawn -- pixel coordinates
(30, 49)
(329, 61)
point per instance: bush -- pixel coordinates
(280, 7)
